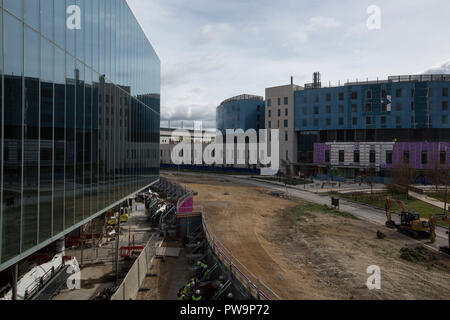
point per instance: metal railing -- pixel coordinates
(255, 286)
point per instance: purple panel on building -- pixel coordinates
(433, 150)
(319, 152)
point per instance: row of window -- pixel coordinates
(371, 121)
(286, 124)
(285, 100)
(369, 94)
(286, 112)
(373, 155)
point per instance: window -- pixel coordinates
(258, 108)
(286, 112)
(341, 156)
(355, 121)
(286, 100)
(327, 155)
(412, 93)
(372, 156)
(398, 122)
(368, 107)
(444, 105)
(287, 155)
(383, 94)
(270, 124)
(279, 101)
(398, 93)
(430, 105)
(445, 92)
(328, 97)
(316, 122)
(424, 157)
(316, 110)
(383, 121)
(269, 102)
(304, 111)
(341, 121)
(341, 96)
(354, 95)
(279, 112)
(445, 119)
(270, 113)
(341, 108)
(430, 92)
(443, 157)
(328, 108)
(368, 120)
(286, 136)
(356, 156)
(406, 156)
(398, 106)
(328, 121)
(369, 94)
(285, 123)
(354, 108)
(316, 98)
(389, 156)
(305, 123)
(305, 99)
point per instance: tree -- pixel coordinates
(403, 175)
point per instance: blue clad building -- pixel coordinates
(241, 112)
(402, 108)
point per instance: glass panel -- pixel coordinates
(79, 142)
(46, 161)
(60, 23)
(69, 188)
(12, 147)
(14, 6)
(47, 18)
(32, 13)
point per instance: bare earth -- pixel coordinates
(321, 256)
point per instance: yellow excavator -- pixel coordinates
(411, 223)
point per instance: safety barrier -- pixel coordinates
(130, 286)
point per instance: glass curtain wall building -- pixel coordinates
(79, 120)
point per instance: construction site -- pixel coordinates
(195, 236)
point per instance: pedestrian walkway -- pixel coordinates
(427, 199)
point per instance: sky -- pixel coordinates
(213, 50)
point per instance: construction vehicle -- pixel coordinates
(433, 221)
(114, 221)
(411, 223)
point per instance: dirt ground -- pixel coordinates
(320, 255)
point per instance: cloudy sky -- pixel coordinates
(212, 50)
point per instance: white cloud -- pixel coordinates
(442, 69)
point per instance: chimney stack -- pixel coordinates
(292, 80)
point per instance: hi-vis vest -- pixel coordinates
(196, 299)
(180, 297)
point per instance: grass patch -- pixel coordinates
(308, 209)
(377, 200)
(439, 196)
(416, 255)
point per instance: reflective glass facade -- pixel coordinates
(79, 120)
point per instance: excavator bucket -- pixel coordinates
(391, 224)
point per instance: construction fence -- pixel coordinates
(130, 286)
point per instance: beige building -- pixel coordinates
(280, 115)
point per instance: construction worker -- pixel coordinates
(197, 296)
(180, 296)
(206, 274)
(188, 287)
(201, 265)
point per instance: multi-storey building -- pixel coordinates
(369, 120)
(241, 112)
(280, 115)
(79, 119)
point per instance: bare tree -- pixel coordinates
(403, 175)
